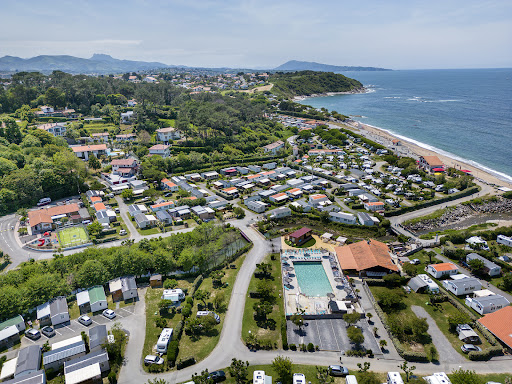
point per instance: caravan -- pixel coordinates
(208, 313)
(163, 340)
(258, 377)
(350, 379)
(299, 378)
(173, 294)
(394, 378)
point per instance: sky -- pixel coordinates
(396, 34)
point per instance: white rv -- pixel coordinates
(163, 340)
(209, 313)
(299, 378)
(394, 378)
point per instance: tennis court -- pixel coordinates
(73, 236)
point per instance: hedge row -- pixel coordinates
(429, 203)
(186, 362)
(486, 354)
(284, 336)
(197, 282)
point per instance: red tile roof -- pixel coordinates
(444, 267)
(89, 148)
(499, 323)
(365, 255)
(45, 215)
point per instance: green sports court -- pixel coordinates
(73, 236)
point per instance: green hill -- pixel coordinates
(307, 83)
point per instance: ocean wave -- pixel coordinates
(497, 174)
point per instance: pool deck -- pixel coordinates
(294, 299)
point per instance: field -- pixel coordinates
(70, 237)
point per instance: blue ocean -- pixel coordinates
(463, 113)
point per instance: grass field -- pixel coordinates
(70, 237)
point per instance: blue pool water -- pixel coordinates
(312, 278)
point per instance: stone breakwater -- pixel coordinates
(460, 213)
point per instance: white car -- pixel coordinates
(109, 314)
(152, 359)
(85, 320)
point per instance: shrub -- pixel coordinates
(178, 330)
(284, 336)
(172, 352)
(170, 284)
(311, 347)
(189, 300)
(293, 347)
(186, 362)
(112, 377)
(485, 354)
(186, 311)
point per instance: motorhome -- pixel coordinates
(163, 340)
(299, 378)
(208, 313)
(394, 378)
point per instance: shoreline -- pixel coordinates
(353, 92)
(412, 148)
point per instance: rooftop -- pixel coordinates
(365, 255)
(499, 323)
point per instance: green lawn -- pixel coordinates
(272, 330)
(203, 346)
(73, 236)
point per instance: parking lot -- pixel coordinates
(330, 335)
(74, 328)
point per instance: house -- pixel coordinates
(167, 134)
(467, 334)
(164, 217)
(365, 219)
(182, 212)
(118, 164)
(28, 361)
(17, 322)
(123, 288)
(204, 213)
(97, 337)
(442, 270)
(279, 213)
(429, 163)
(126, 117)
(278, 198)
(9, 336)
(269, 166)
(300, 236)
(423, 283)
(502, 239)
(56, 129)
(243, 170)
(126, 137)
(195, 177)
(85, 151)
(137, 208)
(98, 207)
(169, 185)
(91, 300)
(374, 206)
(37, 377)
(53, 312)
(163, 150)
(317, 199)
(499, 323)
(43, 219)
(86, 369)
(155, 281)
(144, 221)
(56, 358)
(462, 286)
(228, 171)
(273, 148)
(254, 168)
(294, 193)
(487, 304)
(342, 217)
(370, 258)
(211, 175)
(100, 136)
(106, 217)
(231, 192)
(256, 206)
(164, 205)
(492, 269)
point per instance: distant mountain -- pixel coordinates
(294, 65)
(98, 63)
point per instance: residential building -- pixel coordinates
(499, 323)
(126, 137)
(126, 117)
(145, 221)
(167, 134)
(269, 166)
(28, 362)
(164, 217)
(92, 300)
(431, 163)
(164, 205)
(374, 206)
(342, 217)
(295, 193)
(53, 312)
(502, 239)
(462, 286)
(56, 358)
(86, 369)
(85, 151)
(18, 322)
(279, 213)
(254, 168)
(97, 337)
(163, 150)
(300, 236)
(423, 283)
(123, 288)
(182, 212)
(119, 164)
(492, 269)
(279, 198)
(365, 219)
(100, 136)
(56, 129)
(230, 171)
(256, 206)
(43, 219)
(137, 208)
(274, 147)
(370, 258)
(37, 377)
(317, 199)
(211, 175)
(169, 185)
(487, 304)
(442, 270)
(9, 336)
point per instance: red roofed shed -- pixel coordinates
(300, 236)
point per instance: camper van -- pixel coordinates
(173, 295)
(394, 378)
(350, 379)
(299, 378)
(163, 340)
(208, 313)
(44, 201)
(258, 377)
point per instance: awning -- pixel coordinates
(439, 170)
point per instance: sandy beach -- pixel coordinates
(408, 148)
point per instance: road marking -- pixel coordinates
(334, 333)
(32, 341)
(69, 328)
(95, 322)
(57, 332)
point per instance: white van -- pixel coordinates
(299, 378)
(163, 340)
(350, 379)
(208, 313)
(258, 377)
(394, 378)
(44, 201)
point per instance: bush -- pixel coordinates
(311, 347)
(186, 311)
(485, 354)
(172, 352)
(186, 362)
(170, 284)
(112, 377)
(293, 347)
(284, 336)
(178, 330)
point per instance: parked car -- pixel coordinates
(217, 376)
(466, 348)
(152, 359)
(117, 210)
(48, 331)
(337, 370)
(109, 314)
(33, 334)
(122, 232)
(85, 320)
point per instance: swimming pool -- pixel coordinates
(312, 278)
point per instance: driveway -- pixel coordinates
(447, 354)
